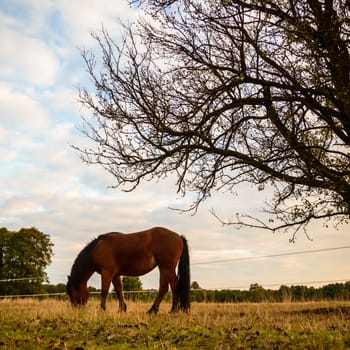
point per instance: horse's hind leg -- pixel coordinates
(163, 288)
(173, 280)
(117, 283)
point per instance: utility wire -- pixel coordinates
(264, 285)
(155, 290)
(20, 279)
(206, 263)
(270, 256)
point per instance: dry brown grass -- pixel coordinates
(57, 325)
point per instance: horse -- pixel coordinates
(116, 254)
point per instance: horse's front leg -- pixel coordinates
(106, 282)
(117, 283)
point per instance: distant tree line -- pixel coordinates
(256, 293)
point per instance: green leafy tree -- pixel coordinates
(131, 283)
(256, 293)
(197, 293)
(284, 294)
(58, 288)
(3, 239)
(299, 293)
(195, 285)
(228, 92)
(24, 256)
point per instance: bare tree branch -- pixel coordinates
(223, 92)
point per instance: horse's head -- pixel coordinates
(78, 294)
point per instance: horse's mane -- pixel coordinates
(83, 261)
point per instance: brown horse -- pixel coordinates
(116, 254)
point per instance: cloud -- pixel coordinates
(26, 59)
(21, 113)
(93, 15)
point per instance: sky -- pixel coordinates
(43, 182)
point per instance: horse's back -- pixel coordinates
(155, 236)
(157, 241)
(164, 235)
(156, 246)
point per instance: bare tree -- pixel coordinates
(226, 92)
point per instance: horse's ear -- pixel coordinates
(68, 278)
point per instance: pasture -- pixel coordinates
(54, 324)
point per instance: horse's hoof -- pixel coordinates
(122, 309)
(152, 311)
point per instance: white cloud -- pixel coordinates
(62, 100)
(8, 21)
(26, 59)
(19, 112)
(81, 18)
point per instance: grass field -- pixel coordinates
(53, 324)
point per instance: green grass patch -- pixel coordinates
(53, 324)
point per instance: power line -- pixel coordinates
(203, 289)
(30, 295)
(269, 256)
(282, 284)
(21, 279)
(205, 263)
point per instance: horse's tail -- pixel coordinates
(183, 289)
